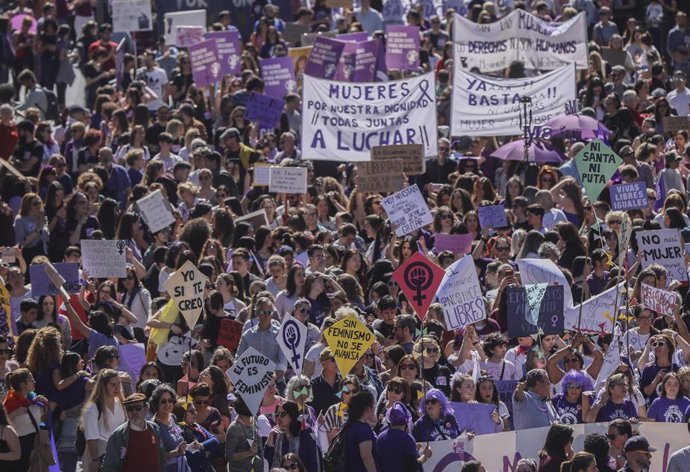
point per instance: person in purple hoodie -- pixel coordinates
(671, 405)
(397, 445)
(571, 405)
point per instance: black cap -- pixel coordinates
(638, 443)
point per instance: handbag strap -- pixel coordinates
(33, 420)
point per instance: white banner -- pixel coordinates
(461, 295)
(251, 374)
(488, 106)
(407, 210)
(596, 314)
(500, 452)
(343, 121)
(520, 36)
(292, 180)
(535, 271)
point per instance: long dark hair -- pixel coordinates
(292, 411)
(124, 229)
(107, 218)
(291, 286)
(558, 437)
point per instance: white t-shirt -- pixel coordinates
(95, 428)
(155, 79)
(680, 101)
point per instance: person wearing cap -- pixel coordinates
(604, 29)
(397, 445)
(671, 175)
(638, 454)
(136, 445)
(679, 97)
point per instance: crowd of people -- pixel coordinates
(75, 171)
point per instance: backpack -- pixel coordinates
(335, 459)
(80, 439)
(52, 113)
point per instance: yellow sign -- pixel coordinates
(168, 314)
(186, 286)
(5, 313)
(349, 339)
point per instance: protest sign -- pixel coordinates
(168, 314)
(120, 52)
(299, 57)
(596, 315)
(262, 174)
(475, 417)
(324, 58)
(132, 359)
(407, 210)
(412, 156)
(186, 286)
(309, 38)
(393, 12)
(251, 374)
(229, 334)
(131, 15)
(664, 247)
(632, 196)
(490, 106)
(505, 392)
(8, 255)
(534, 271)
(292, 339)
(278, 75)
(229, 46)
(458, 244)
(42, 285)
(596, 164)
(291, 180)
(292, 33)
(104, 258)
(186, 36)
(661, 301)
(255, 219)
(492, 216)
(402, 47)
(349, 339)
(535, 309)
(419, 278)
(174, 18)
(612, 357)
(240, 11)
(344, 121)
(615, 57)
(624, 235)
(380, 176)
(366, 61)
(8, 325)
(520, 36)
(264, 109)
(18, 19)
(205, 63)
(461, 295)
(673, 124)
(154, 209)
(354, 37)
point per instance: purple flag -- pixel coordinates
(366, 57)
(660, 190)
(346, 66)
(264, 109)
(279, 76)
(324, 58)
(205, 63)
(402, 47)
(229, 45)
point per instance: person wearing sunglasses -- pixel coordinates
(291, 435)
(337, 414)
(298, 389)
(613, 402)
(205, 414)
(664, 347)
(162, 403)
(434, 370)
(619, 431)
(436, 421)
(139, 439)
(205, 448)
(397, 391)
(570, 404)
(573, 360)
(302, 312)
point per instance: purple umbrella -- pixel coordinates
(537, 152)
(578, 126)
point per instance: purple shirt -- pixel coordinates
(568, 413)
(358, 433)
(665, 410)
(612, 411)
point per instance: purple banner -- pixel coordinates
(632, 196)
(324, 57)
(278, 75)
(264, 109)
(229, 45)
(459, 244)
(402, 47)
(475, 417)
(356, 37)
(205, 64)
(365, 61)
(41, 284)
(346, 66)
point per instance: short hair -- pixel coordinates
(492, 341)
(241, 252)
(623, 427)
(534, 376)
(386, 302)
(28, 304)
(407, 321)
(471, 466)
(536, 209)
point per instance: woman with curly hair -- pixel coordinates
(547, 177)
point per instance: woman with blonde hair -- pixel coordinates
(102, 414)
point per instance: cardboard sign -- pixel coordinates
(407, 210)
(205, 63)
(264, 109)
(154, 209)
(412, 156)
(42, 285)
(458, 244)
(104, 258)
(661, 301)
(279, 76)
(131, 15)
(673, 124)
(535, 309)
(292, 180)
(229, 334)
(492, 216)
(615, 57)
(534, 271)
(251, 374)
(402, 47)
(461, 295)
(255, 219)
(632, 196)
(596, 314)
(380, 176)
(349, 339)
(596, 163)
(419, 279)
(186, 287)
(292, 33)
(181, 18)
(132, 359)
(475, 417)
(292, 339)
(229, 45)
(262, 175)
(665, 247)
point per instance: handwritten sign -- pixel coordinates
(229, 334)
(251, 374)
(665, 247)
(349, 339)
(291, 180)
(535, 309)
(407, 210)
(131, 15)
(492, 216)
(42, 285)
(596, 163)
(419, 279)
(292, 339)
(475, 417)
(673, 124)
(264, 109)
(155, 211)
(380, 176)
(461, 295)
(186, 287)
(104, 258)
(262, 173)
(458, 244)
(632, 196)
(661, 301)
(412, 156)
(596, 314)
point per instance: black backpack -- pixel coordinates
(80, 440)
(52, 113)
(335, 459)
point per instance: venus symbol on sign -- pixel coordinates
(418, 276)
(291, 338)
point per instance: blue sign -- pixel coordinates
(264, 109)
(41, 284)
(631, 196)
(551, 318)
(492, 216)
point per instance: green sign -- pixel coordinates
(596, 164)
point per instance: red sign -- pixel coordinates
(229, 334)
(419, 279)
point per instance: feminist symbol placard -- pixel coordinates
(419, 279)
(292, 339)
